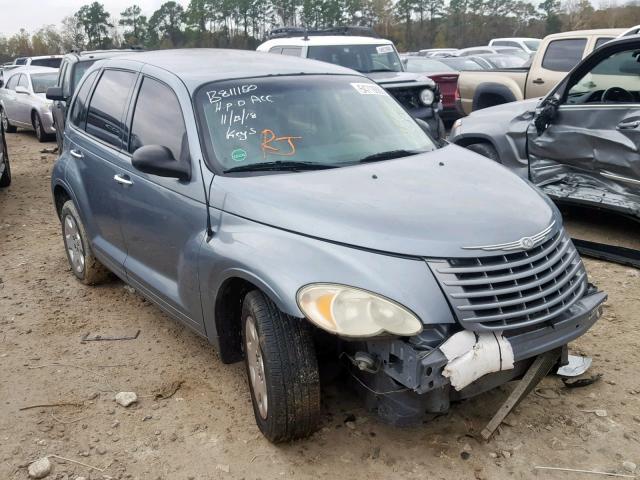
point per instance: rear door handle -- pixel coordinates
(76, 154)
(123, 179)
(629, 125)
(538, 81)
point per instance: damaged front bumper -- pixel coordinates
(409, 380)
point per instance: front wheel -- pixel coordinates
(486, 150)
(282, 369)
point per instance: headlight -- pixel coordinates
(426, 96)
(352, 312)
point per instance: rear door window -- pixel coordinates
(79, 109)
(158, 120)
(13, 82)
(106, 109)
(563, 55)
(602, 40)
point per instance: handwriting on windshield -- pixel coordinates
(285, 145)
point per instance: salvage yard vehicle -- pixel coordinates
(321, 219)
(73, 66)
(23, 103)
(5, 167)
(526, 44)
(375, 57)
(580, 143)
(557, 55)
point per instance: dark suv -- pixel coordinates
(72, 68)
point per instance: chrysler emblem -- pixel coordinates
(525, 243)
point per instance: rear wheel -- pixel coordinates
(5, 122)
(282, 369)
(486, 150)
(37, 126)
(84, 265)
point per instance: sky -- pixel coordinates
(32, 14)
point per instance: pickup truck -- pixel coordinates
(557, 55)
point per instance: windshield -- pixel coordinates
(532, 44)
(46, 62)
(363, 58)
(81, 67)
(318, 120)
(420, 65)
(42, 81)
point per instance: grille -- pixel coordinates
(502, 292)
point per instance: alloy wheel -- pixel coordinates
(256, 367)
(73, 244)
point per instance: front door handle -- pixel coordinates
(122, 180)
(538, 81)
(629, 125)
(76, 154)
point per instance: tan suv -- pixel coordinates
(556, 56)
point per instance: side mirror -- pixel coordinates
(22, 90)
(55, 93)
(158, 160)
(545, 114)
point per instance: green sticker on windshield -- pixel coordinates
(238, 155)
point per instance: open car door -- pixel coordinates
(584, 143)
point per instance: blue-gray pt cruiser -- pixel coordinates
(291, 212)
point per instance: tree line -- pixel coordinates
(412, 24)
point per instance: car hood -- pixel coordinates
(512, 109)
(397, 78)
(431, 204)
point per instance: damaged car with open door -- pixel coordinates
(292, 211)
(581, 143)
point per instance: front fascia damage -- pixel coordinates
(425, 373)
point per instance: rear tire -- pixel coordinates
(37, 127)
(486, 150)
(282, 369)
(84, 265)
(5, 122)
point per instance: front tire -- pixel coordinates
(84, 265)
(486, 150)
(282, 369)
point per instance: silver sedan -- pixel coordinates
(23, 103)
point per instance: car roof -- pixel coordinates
(516, 39)
(44, 56)
(196, 66)
(319, 40)
(29, 69)
(99, 54)
(614, 32)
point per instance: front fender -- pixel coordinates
(280, 262)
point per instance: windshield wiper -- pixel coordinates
(279, 165)
(391, 154)
(380, 70)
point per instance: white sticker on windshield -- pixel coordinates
(368, 89)
(384, 49)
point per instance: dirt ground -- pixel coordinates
(207, 431)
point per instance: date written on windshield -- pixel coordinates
(283, 146)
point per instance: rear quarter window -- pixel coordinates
(563, 55)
